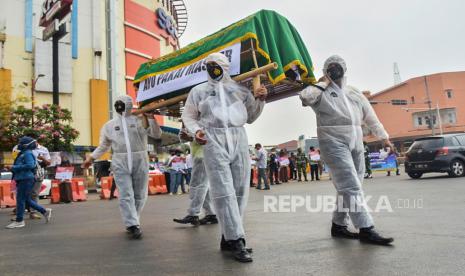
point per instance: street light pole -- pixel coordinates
(33, 90)
(429, 107)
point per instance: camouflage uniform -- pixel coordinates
(302, 161)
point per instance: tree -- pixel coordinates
(51, 125)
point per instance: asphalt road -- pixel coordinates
(427, 220)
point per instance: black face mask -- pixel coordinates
(335, 72)
(120, 107)
(215, 71)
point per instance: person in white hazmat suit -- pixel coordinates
(199, 187)
(126, 135)
(216, 112)
(341, 111)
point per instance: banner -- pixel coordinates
(379, 162)
(187, 76)
(64, 173)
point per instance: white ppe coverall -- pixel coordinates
(221, 108)
(340, 114)
(199, 187)
(127, 138)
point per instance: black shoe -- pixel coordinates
(226, 246)
(306, 180)
(338, 231)
(209, 219)
(194, 220)
(277, 183)
(135, 232)
(266, 188)
(240, 252)
(369, 235)
(299, 180)
(258, 188)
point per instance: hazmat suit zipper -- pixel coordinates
(126, 139)
(352, 119)
(225, 118)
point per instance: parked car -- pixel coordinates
(442, 153)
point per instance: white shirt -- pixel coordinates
(189, 164)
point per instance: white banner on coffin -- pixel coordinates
(187, 76)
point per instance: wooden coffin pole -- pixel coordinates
(255, 74)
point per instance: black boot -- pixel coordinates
(135, 232)
(369, 235)
(194, 220)
(226, 245)
(338, 231)
(240, 252)
(209, 219)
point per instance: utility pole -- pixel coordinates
(33, 90)
(431, 113)
(55, 69)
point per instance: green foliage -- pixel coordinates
(49, 123)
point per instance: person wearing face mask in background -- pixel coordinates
(216, 112)
(273, 167)
(341, 110)
(126, 135)
(24, 170)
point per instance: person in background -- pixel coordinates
(177, 167)
(366, 152)
(65, 161)
(253, 165)
(393, 152)
(302, 162)
(293, 166)
(321, 164)
(43, 158)
(314, 158)
(188, 171)
(273, 167)
(261, 164)
(283, 166)
(24, 171)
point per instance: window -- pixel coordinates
(398, 102)
(412, 99)
(420, 121)
(461, 139)
(449, 93)
(453, 142)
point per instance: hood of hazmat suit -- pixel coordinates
(341, 112)
(127, 138)
(221, 108)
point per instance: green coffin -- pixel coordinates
(275, 38)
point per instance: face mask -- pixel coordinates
(335, 72)
(215, 71)
(120, 107)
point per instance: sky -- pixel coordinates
(422, 36)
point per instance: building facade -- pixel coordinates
(417, 107)
(106, 43)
